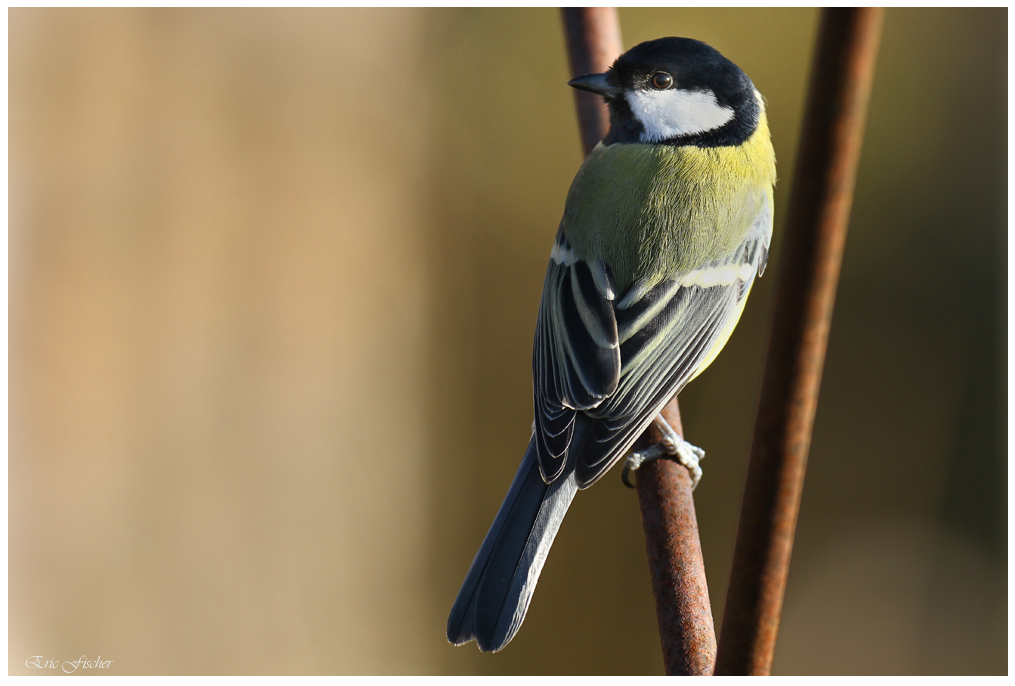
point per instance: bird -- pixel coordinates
(665, 227)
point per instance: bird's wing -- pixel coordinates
(609, 362)
(576, 352)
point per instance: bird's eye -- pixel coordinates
(661, 80)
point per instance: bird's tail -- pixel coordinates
(496, 592)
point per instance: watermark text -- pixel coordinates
(66, 666)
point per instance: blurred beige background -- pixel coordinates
(273, 278)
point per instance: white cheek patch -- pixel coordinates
(671, 113)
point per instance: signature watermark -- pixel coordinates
(67, 666)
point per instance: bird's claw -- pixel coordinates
(671, 444)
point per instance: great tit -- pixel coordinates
(666, 225)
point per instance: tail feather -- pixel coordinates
(496, 592)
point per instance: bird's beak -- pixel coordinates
(595, 83)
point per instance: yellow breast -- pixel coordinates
(658, 211)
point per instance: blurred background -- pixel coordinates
(273, 277)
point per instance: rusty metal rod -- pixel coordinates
(815, 233)
(683, 611)
(593, 43)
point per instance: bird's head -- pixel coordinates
(678, 91)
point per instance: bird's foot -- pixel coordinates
(671, 444)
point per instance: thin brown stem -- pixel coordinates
(593, 43)
(683, 609)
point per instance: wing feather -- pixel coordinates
(576, 355)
